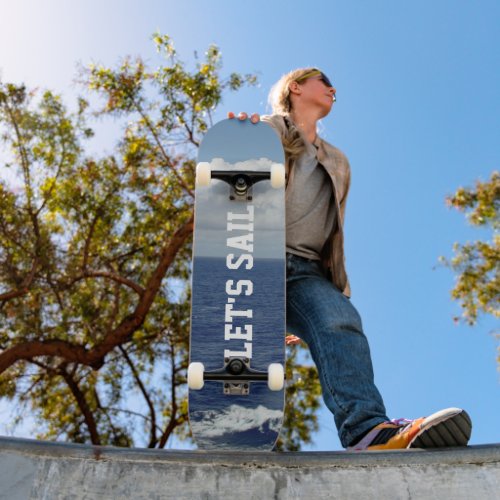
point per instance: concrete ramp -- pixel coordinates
(35, 469)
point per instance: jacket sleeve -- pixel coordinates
(343, 202)
(347, 186)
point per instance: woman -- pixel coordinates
(319, 310)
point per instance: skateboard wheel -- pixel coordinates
(277, 175)
(275, 376)
(195, 376)
(203, 174)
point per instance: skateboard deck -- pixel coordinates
(237, 342)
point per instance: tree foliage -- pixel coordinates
(477, 264)
(95, 254)
(303, 393)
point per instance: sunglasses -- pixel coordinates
(316, 72)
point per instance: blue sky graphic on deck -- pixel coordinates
(226, 136)
(212, 205)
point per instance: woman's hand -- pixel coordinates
(292, 340)
(255, 118)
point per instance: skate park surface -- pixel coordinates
(31, 469)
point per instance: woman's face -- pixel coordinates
(315, 91)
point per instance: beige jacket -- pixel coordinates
(337, 166)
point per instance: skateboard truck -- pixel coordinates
(240, 181)
(236, 375)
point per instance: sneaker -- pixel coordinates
(450, 427)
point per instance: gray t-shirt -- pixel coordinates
(310, 207)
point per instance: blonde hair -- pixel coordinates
(279, 96)
(281, 104)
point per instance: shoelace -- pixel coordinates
(401, 421)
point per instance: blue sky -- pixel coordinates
(418, 115)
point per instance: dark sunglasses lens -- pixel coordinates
(326, 80)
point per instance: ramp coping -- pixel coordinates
(477, 454)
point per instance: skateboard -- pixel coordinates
(237, 341)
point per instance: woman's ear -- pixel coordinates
(294, 87)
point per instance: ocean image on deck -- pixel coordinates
(251, 419)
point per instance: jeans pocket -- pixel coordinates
(300, 267)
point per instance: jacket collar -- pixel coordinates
(327, 160)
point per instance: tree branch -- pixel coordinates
(53, 184)
(122, 333)
(7, 235)
(152, 412)
(82, 404)
(24, 288)
(114, 277)
(173, 421)
(160, 146)
(89, 238)
(27, 176)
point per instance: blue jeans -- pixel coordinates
(325, 319)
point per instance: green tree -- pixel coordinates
(95, 254)
(477, 264)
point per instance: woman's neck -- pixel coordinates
(306, 122)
